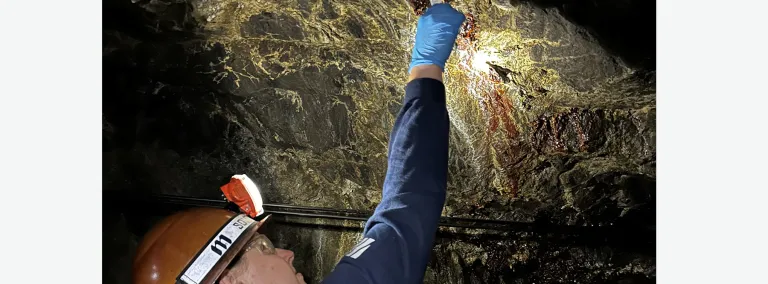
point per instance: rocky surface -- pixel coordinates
(552, 107)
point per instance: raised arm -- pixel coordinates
(400, 234)
(416, 180)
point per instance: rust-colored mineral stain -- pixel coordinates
(419, 6)
(551, 131)
(558, 144)
(500, 107)
(488, 87)
(467, 30)
(579, 131)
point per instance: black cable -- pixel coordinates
(315, 215)
(356, 215)
(319, 209)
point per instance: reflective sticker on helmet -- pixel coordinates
(217, 246)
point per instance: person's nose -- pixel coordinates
(285, 254)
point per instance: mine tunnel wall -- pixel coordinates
(557, 126)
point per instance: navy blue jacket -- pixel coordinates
(398, 238)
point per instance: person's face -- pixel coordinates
(262, 263)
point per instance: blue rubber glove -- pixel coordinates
(436, 33)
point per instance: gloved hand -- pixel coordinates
(436, 33)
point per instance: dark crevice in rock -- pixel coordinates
(502, 72)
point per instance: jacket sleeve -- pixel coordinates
(405, 222)
(417, 168)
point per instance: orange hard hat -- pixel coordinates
(196, 245)
(192, 246)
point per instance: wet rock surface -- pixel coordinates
(552, 107)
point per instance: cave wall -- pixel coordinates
(552, 107)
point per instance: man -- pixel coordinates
(397, 239)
